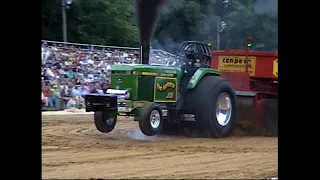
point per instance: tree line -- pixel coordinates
(112, 22)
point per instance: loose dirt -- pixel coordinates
(73, 148)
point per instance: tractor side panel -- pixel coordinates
(199, 74)
(165, 89)
(146, 88)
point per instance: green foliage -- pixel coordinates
(91, 21)
(111, 22)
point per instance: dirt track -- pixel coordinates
(73, 148)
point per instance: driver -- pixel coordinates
(189, 68)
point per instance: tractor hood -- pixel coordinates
(143, 69)
(140, 79)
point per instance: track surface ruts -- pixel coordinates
(73, 148)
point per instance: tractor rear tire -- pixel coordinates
(203, 102)
(104, 123)
(150, 120)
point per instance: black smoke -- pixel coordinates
(147, 14)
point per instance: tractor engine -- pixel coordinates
(159, 84)
(152, 78)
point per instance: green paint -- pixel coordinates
(144, 68)
(179, 74)
(146, 84)
(165, 89)
(199, 74)
(128, 82)
(142, 87)
(142, 82)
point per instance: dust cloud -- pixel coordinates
(136, 134)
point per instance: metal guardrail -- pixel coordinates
(92, 45)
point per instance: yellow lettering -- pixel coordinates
(166, 86)
(169, 95)
(159, 87)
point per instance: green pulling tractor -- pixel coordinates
(191, 98)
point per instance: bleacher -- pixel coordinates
(83, 67)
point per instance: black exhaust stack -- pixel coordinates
(147, 13)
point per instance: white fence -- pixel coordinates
(93, 46)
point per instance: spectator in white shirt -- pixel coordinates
(72, 103)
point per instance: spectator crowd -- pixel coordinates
(70, 71)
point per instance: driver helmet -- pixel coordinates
(189, 48)
(189, 51)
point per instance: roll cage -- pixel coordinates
(202, 50)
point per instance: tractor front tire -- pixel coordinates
(104, 123)
(150, 120)
(213, 102)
